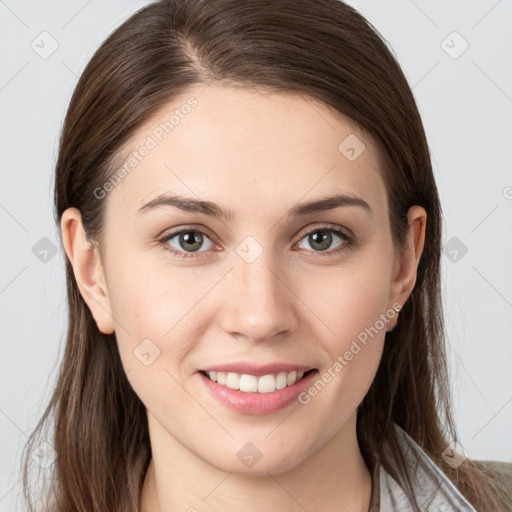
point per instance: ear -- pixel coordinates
(406, 262)
(87, 268)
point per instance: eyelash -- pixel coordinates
(348, 241)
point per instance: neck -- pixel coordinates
(334, 479)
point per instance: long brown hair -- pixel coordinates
(319, 48)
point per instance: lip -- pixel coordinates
(253, 402)
(249, 368)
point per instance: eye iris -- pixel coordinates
(191, 238)
(325, 239)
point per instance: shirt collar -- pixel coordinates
(432, 488)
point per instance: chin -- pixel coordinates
(251, 461)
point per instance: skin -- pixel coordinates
(274, 150)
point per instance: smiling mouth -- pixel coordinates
(252, 384)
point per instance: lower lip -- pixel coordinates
(257, 403)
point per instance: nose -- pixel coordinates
(259, 302)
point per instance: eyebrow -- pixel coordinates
(214, 210)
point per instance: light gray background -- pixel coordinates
(466, 105)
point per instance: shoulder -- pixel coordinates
(498, 467)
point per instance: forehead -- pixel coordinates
(239, 146)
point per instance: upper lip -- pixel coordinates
(250, 368)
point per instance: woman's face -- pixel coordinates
(269, 287)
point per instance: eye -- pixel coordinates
(187, 241)
(320, 239)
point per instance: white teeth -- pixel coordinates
(266, 384)
(292, 377)
(233, 381)
(250, 383)
(281, 380)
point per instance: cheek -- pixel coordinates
(347, 300)
(156, 302)
(156, 334)
(352, 308)
(146, 296)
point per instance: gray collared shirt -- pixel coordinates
(433, 490)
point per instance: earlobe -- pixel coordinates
(408, 260)
(85, 259)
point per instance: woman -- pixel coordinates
(252, 231)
